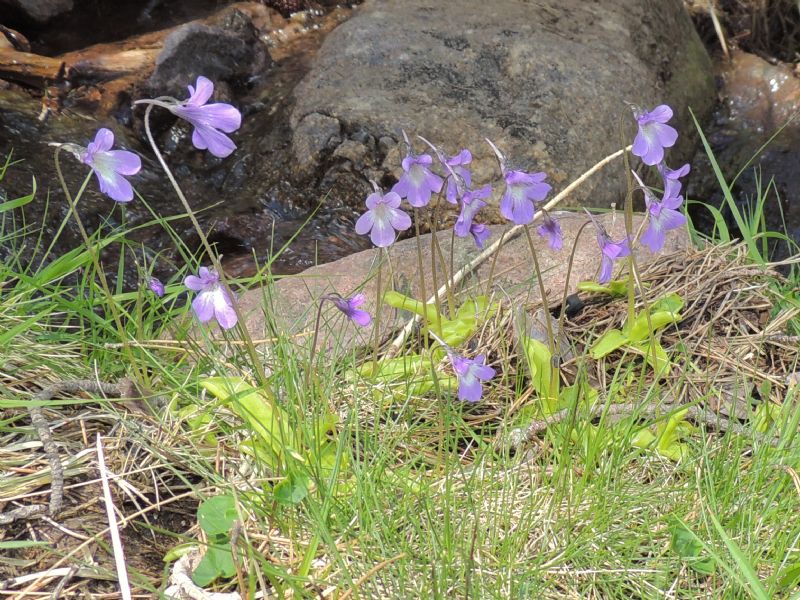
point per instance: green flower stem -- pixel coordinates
(494, 263)
(547, 319)
(422, 286)
(314, 340)
(112, 303)
(435, 279)
(437, 249)
(378, 304)
(251, 349)
(569, 274)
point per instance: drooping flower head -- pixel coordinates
(457, 177)
(110, 166)
(662, 216)
(456, 165)
(350, 308)
(671, 178)
(609, 250)
(470, 373)
(209, 120)
(654, 134)
(212, 300)
(383, 218)
(522, 191)
(156, 286)
(551, 231)
(417, 182)
(471, 203)
(480, 233)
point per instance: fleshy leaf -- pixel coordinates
(686, 545)
(611, 340)
(613, 288)
(216, 562)
(216, 515)
(540, 365)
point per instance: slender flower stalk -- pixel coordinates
(378, 305)
(248, 340)
(112, 303)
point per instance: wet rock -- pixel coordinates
(547, 81)
(758, 99)
(39, 11)
(312, 137)
(230, 50)
(294, 299)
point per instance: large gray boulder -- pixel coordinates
(547, 81)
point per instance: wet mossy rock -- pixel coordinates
(547, 81)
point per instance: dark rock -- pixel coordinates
(547, 81)
(39, 11)
(229, 50)
(313, 135)
(755, 129)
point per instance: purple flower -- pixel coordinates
(522, 190)
(209, 120)
(456, 163)
(417, 182)
(654, 134)
(349, 306)
(212, 300)
(663, 216)
(156, 286)
(551, 231)
(609, 249)
(383, 218)
(480, 234)
(471, 203)
(671, 178)
(470, 374)
(110, 166)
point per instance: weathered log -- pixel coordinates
(27, 68)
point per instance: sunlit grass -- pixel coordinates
(419, 502)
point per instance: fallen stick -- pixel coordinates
(42, 428)
(653, 410)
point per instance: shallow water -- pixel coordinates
(755, 133)
(251, 203)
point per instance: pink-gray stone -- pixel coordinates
(293, 300)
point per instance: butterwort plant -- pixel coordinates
(470, 372)
(111, 167)
(212, 300)
(654, 134)
(662, 215)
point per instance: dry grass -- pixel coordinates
(519, 508)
